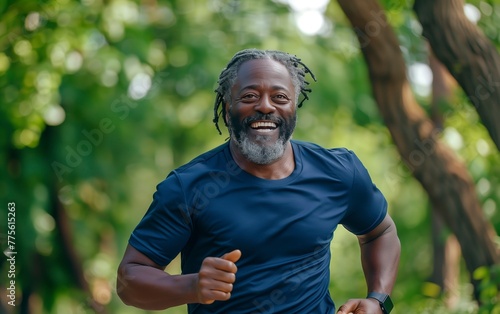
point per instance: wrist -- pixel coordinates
(194, 291)
(384, 301)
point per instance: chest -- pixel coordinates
(268, 222)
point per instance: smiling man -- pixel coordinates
(253, 218)
(261, 116)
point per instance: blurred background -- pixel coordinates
(100, 99)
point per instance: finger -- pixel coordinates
(213, 290)
(344, 311)
(232, 256)
(225, 274)
(230, 259)
(217, 295)
(217, 263)
(349, 307)
(221, 286)
(209, 279)
(209, 285)
(210, 296)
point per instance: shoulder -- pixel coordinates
(339, 163)
(320, 149)
(202, 166)
(339, 155)
(211, 158)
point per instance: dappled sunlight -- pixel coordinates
(309, 15)
(101, 100)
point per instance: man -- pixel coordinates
(254, 217)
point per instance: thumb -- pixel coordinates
(232, 256)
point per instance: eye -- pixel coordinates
(281, 98)
(249, 97)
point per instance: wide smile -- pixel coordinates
(263, 126)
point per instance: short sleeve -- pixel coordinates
(166, 227)
(367, 206)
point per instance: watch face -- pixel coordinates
(388, 304)
(384, 300)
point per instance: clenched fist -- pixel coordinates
(216, 277)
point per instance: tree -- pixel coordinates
(100, 99)
(469, 56)
(446, 249)
(434, 165)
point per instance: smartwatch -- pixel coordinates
(383, 299)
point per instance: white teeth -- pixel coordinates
(264, 130)
(262, 124)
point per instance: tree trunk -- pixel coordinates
(469, 56)
(446, 249)
(446, 180)
(70, 258)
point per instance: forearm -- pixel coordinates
(150, 288)
(380, 259)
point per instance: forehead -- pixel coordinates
(263, 71)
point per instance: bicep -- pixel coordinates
(132, 257)
(387, 225)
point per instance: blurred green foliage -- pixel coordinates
(101, 99)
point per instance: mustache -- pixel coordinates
(260, 116)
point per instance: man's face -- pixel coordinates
(261, 115)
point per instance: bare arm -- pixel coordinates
(144, 284)
(380, 250)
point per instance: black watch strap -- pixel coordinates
(383, 299)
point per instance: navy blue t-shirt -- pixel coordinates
(283, 228)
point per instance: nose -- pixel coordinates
(265, 105)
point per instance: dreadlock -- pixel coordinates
(296, 68)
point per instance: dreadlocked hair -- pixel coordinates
(227, 77)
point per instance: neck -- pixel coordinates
(278, 169)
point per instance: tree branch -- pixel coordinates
(469, 56)
(445, 178)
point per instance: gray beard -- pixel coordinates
(261, 155)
